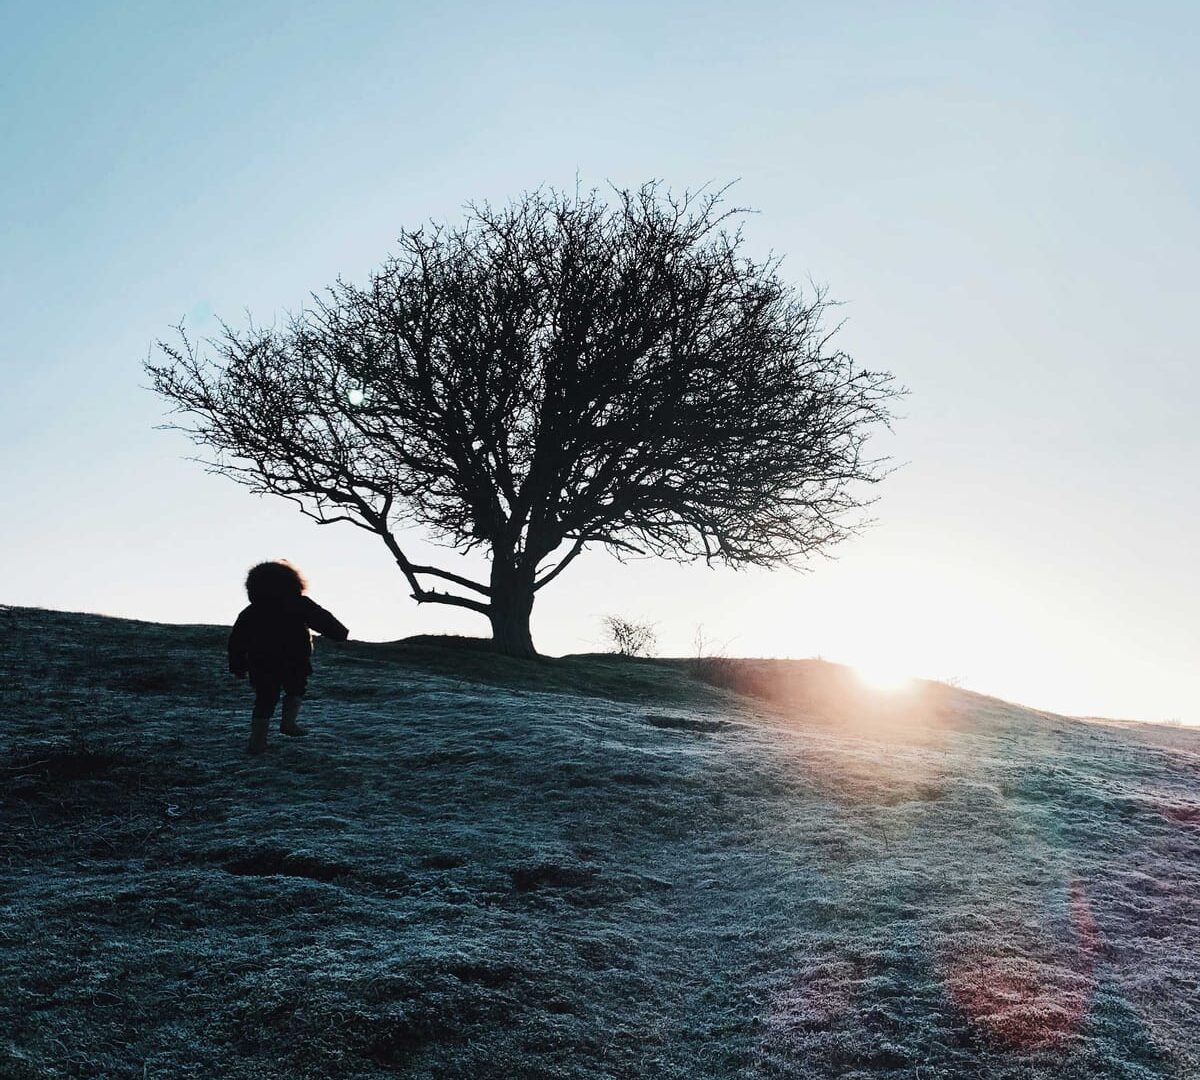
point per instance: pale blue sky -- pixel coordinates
(1004, 195)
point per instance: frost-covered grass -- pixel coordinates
(590, 867)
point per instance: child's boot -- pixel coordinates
(287, 720)
(258, 735)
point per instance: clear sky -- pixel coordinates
(1005, 196)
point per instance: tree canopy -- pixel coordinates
(556, 373)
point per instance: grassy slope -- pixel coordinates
(584, 868)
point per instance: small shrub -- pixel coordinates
(630, 638)
(711, 665)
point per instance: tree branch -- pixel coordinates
(562, 564)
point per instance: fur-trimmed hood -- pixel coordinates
(274, 582)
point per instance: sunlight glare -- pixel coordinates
(883, 676)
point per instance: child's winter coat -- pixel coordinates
(272, 635)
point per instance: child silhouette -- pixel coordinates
(272, 644)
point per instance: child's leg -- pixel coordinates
(293, 696)
(266, 694)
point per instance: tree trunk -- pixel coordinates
(511, 606)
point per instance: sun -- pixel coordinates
(883, 675)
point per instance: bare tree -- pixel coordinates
(558, 373)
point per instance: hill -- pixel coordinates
(577, 868)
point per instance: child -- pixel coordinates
(271, 643)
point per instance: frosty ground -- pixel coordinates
(585, 867)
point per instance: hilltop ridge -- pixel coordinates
(585, 867)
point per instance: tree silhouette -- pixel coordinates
(560, 372)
